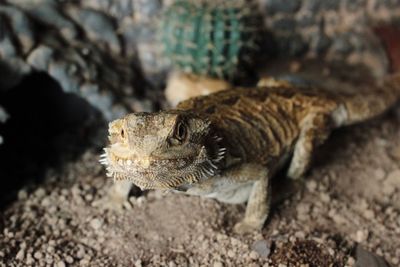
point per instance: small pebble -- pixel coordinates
(138, 263)
(22, 194)
(20, 255)
(379, 174)
(38, 255)
(361, 236)
(300, 235)
(351, 261)
(369, 214)
(262, 247)
(325, 197)
(254, 255)
(61, 264)
(95, 224)
(84, 261)
(69, 259)
(40, 192)
(231, 253)
(311, 185)
(81, 253)
(29, 259)
(393, 178)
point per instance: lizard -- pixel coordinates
(228, 145)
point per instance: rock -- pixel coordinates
(12, 70)
(102, 101)
(69, 259)
(20, 255)
(38, 255)
(138, 263)
(321, 42)
(182, 86)
(306, 20)
(59, 71)
(365, 258)
(21, 27)
(40, 192)
(3, 115)
(352, 5)
(330, 4)
(392, 182)
(341, 44)
(147, 9)
(311, 185)
(312, 5)
(40, 57)
(379, 174)
(95, 224)
(285, 25)
(292, 45)
(119, 9)
(393, 178)
(254, 255)
(48, 14)
(29, 259)
(3, 118)
(361, 236)
(7, 47)
(81, 253)
(281, 6)
(262, 247)
(98, 27)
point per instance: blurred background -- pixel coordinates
(67, 68)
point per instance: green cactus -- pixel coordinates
(216, 38)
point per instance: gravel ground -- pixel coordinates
(344, 213)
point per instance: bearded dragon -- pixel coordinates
(229, 144)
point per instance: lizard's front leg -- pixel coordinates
(118, 194)
(258, 204)
(315, 129)
(257, 209)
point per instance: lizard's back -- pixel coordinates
(260, 124)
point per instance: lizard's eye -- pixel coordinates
(180, 132)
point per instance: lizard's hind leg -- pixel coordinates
(315, 129)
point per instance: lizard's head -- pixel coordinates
(162, 150)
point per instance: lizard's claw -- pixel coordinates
(117, 198)
(117, 201)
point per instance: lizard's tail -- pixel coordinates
(363, 106)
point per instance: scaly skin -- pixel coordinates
(228, 145)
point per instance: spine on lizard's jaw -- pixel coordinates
(369, 104)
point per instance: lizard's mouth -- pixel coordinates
(157, 172)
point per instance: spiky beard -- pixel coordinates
(204, 169)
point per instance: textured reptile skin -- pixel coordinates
(229, 144)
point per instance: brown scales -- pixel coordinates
(230, 143)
